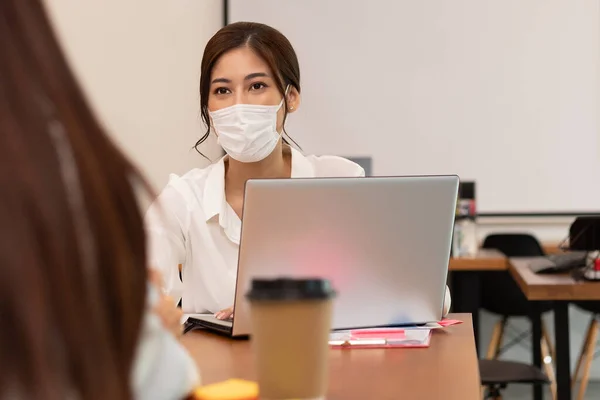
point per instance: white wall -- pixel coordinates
(505, 92)
(139, 62)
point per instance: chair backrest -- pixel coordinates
(499, 292)
(514, 244)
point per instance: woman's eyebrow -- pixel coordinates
(256, 75)
(222, 80)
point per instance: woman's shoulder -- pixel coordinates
(191, 183)
(184, 193)
(334, 166)
(193, 177)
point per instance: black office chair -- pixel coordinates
(497, 374)
(501, 295)
(588, 348)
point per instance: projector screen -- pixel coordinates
(505, 93)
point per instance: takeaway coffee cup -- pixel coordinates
(291, 321)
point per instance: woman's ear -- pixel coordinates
(293, 100)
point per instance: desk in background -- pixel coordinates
(483, 260)
(552, 248)
(465, 284)
(561, 289)
(448, 369)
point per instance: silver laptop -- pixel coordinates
(384, 242)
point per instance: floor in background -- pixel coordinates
(524, 392)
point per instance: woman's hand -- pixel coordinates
(225, 314)
(166, 309)
(170, 315)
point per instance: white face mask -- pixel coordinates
(248, 133)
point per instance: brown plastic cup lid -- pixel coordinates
(285, 289)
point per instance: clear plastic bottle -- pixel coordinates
(465, 237)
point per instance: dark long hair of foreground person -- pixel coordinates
(72, 249)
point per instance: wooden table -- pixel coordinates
(561, 289)
(448, 369)
(553, 247)
(491, 260)
(483, 260)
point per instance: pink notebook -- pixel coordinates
(381, 338)
(373, 338)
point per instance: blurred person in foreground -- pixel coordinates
(80, 318)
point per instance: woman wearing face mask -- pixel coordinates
(250, 82)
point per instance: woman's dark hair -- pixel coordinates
(268, 43)
(72, 247)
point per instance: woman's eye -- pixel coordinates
(258, 86)
(221, 90)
